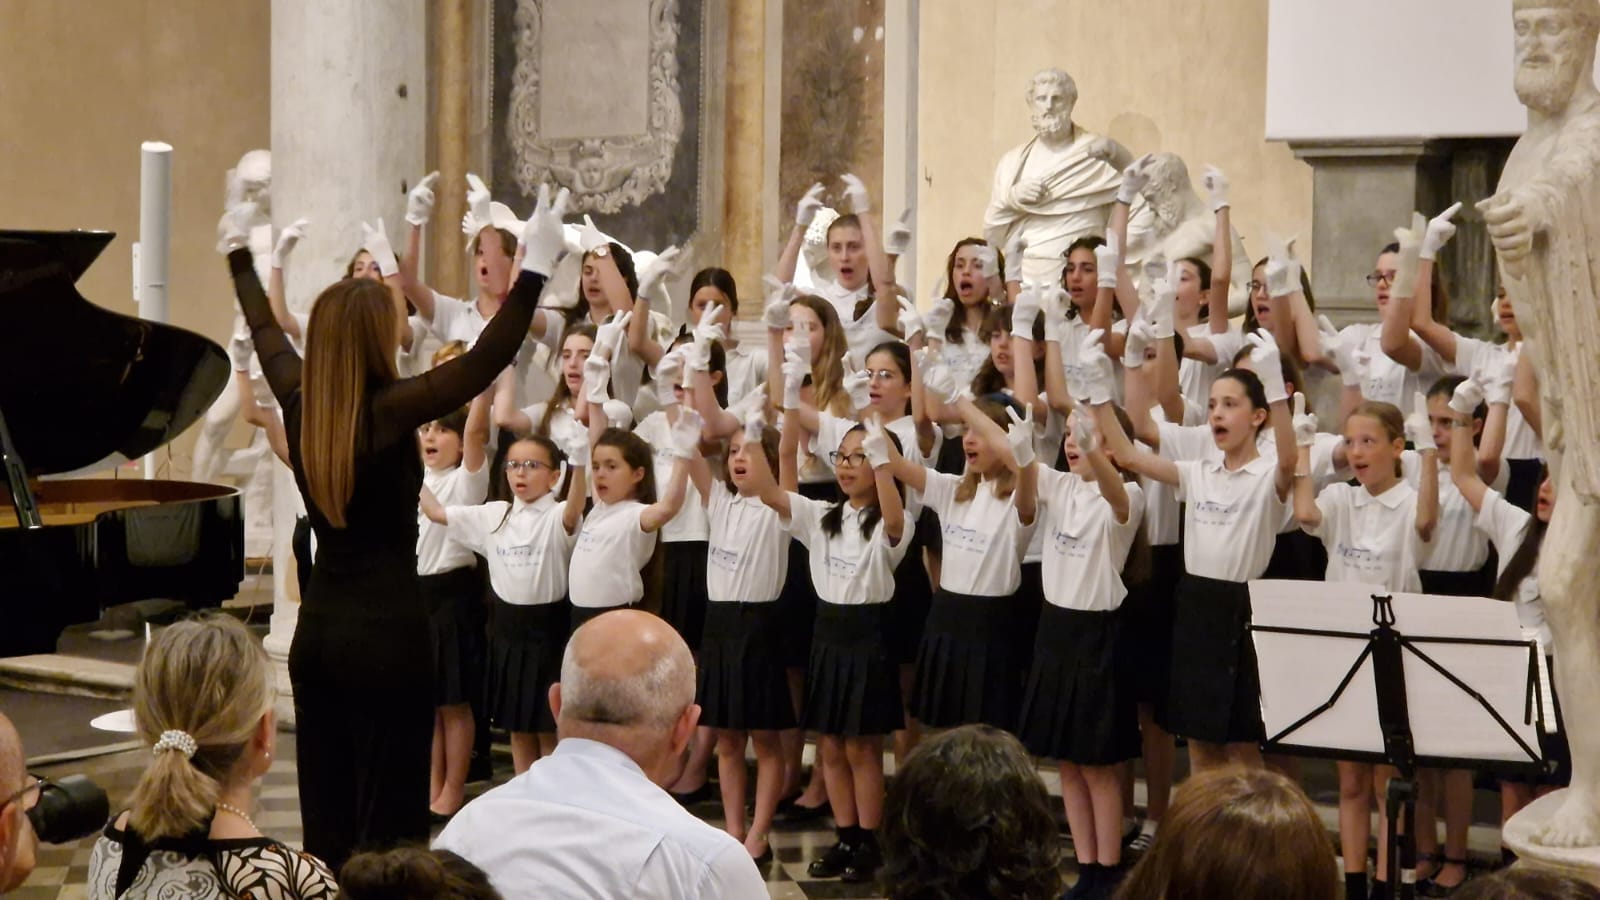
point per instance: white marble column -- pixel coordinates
(349, 115)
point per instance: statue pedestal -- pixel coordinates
(1518, 835)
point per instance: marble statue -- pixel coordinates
(1057, 187)
(1173, 222)
(1544, 220)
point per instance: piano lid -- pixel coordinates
(81, 387)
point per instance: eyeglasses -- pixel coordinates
(847, 460)
(882, 374)
(35, 786)
(1376, 278)
(533, 465)
(1255, 286)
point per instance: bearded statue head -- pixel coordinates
(1052, 94)
(1170, 192)
(1555, 44)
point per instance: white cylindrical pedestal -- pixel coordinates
(1521, 835)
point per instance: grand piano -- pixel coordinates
(83, 390)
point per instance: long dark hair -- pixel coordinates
(624, 260)
(833, 519)
(636, 453)
(1523, 562)
(719, 363)
(1203, 269)
(1250, 323)
(953, 331)
(902, 361)
(563, 393)
(989, 379)
(722, 280)
(1253, 390)
(1088, 242)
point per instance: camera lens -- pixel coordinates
(69, 809)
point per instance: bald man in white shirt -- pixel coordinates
(593, 819)
(17, 793)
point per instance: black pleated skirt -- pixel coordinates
(454, 600)
(1297, 556)
(525, 648)
(1522, 482)
(1215, 690)
(799, 599)
(913, 594)
(1075, 706)
(683, 589)
(581, 615)
(1027, 605)
(967, 668)
(1146, 643)
(1472, 583)
(852, 686)
(741, 683)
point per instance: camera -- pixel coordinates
(69, 809)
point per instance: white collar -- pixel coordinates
(1397, 494)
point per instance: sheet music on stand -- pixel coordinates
(1309, 636)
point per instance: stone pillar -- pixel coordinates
(745, 222)
(349, 98)
(454, 68)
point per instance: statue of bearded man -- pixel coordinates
(1544, 220)
(1057, 187)
(1174, 223)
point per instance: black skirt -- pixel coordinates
(1075, 707)
(852, 686)
(582, 614)
(1214, 693)
(1297, 556)
(741, 684)
(1146, 644)
(525, 647)
(1471, 583)
(683, 588)
(1027, 605)
(799, 599)
(456, 625)
(1522, 482)
(967, 669)
(913, 594)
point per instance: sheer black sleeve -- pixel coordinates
(411, 402)
(279, 363)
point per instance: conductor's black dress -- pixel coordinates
(361, 660)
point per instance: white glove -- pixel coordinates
(795, 371)
(656, 270)
(1095, 367)
(755, 423)
(543, 238)
(942, 381)
(1440, 231)
(1267, 364)
(1405, 269)
(589, 237)
(696, 358)
(1216, 185)
(1468, 396)
(1351, 372)
(240, 348)
(609, 338)
(1019, 434)
(779, 295)
(618, 414)
(875, 444)
(1163, 303)
(1083, 430)
(685, 435)
(1419, 431)
(708, 329)
(233, 229)
(596, 379)
(1014, 254)
(1282, 270)
(419, 203)
(1141, 334)
(858, 384)
(1496, 377)
(287, 238)
(799, 344)
(375, 241)
(910, 320)
(1134, 178)
(1056, 303)
(573, 439)
(898, 240)
(1305, 424)
(939, 316)
(856, 193)
(988, 261)
(478, 202)
(1028, 308)
(670, 368)
(809, 206)
(1107, 263)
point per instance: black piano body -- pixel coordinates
(83, 389)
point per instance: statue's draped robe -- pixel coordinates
(1080, 191)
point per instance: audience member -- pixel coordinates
(593, 819)
(968, 817)
(18, 793)
(1527, 884)
(1244, 834)
(412, 873)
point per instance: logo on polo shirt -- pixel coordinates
(724, 559)
(965, 538)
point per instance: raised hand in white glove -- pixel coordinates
(795, 371)
(988, 261)
(939, 316)
(1083, 430)
(1419, 431)
(1267, 363)
(573, 439)
(1345, 353)
(657, 269)
(591, 238)
(755, 423)
(1216, 185)
(856, 193)
(240, 348)
(709, 328)
(1405, 269)
(1282, 270)
(809, 206)
(1014, 253)
(940, 380)
(287, 238)
(1440, 230)
(478, 200)
(419, 203)
(1305, 424)
(898, 240)
(775, 313)
(799, 343)
(1496, 376)
(910, 320)
(1107, 263)
(685, 434)
(670, 368)
(543, 237)
(596, 379)
(875, 444)
(617, 413)
(1466, 398)
(375, 241)
(1056, 303)
(610, 338)
(1141, 334)
(1134, 179)
(696, 358)
(1094, 368)
(858, 384)
(1163, 303)
(1029, 307)
(233, 229)
(1019, 434)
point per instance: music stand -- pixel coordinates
(1351, 671)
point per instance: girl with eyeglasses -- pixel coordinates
(455, 469)
(528, 542)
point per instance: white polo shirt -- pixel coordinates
(1371, 539)
(436, 550)
(525, 543)
(561, 417)
(1231, 519)
(1163, 514)
(690, 523)
(848, 568)
(1387, 380)
(1195, 377)
(1457, 545)
(586, 821)
(748, 549)
(860, 334)
(964, 357)
(611, 550)
(747, 372)
(1473, 355)
(1071, 342)
(1085, 547)
(831, 430)
(1507, 526)
(983, 540)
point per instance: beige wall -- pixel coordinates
(82, 83)
(1155, 74)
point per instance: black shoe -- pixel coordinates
(832, 862)
(439, 818)
(699, 795)
(797, 813)
(765, 857)
(864, 863)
